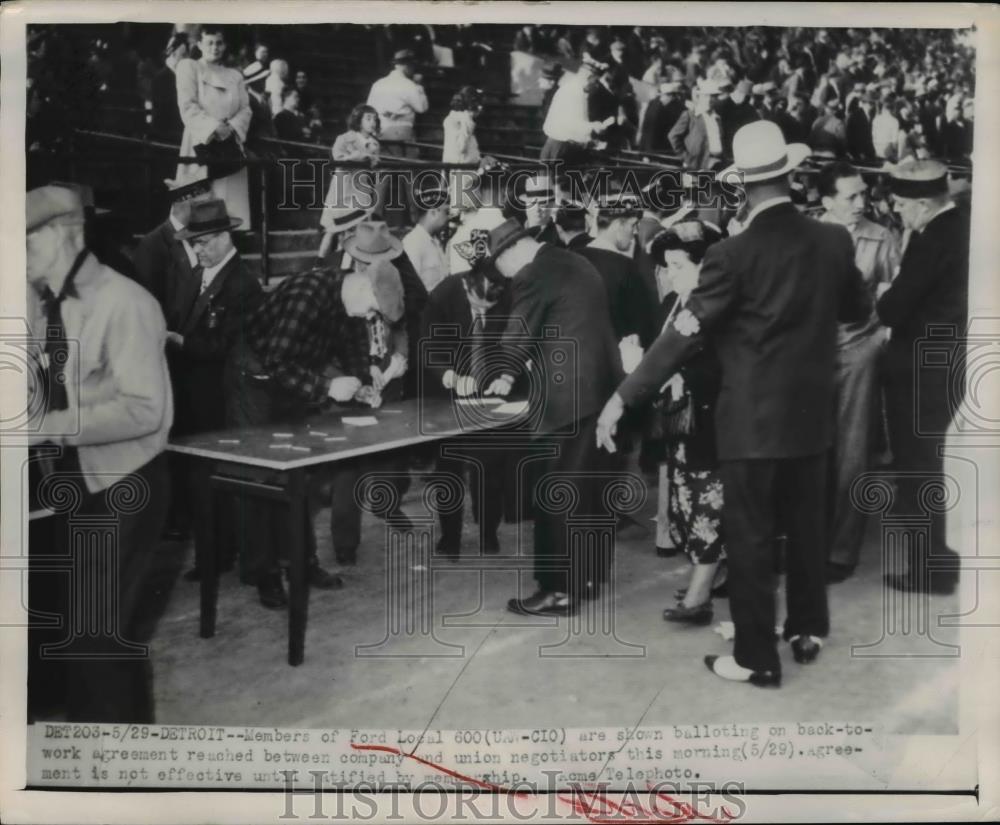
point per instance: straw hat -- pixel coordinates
(760, 153)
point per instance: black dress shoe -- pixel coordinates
(700, 614)
(447, 548)
(544, 603)
(938, 583)
(805, 649)
(322, 579)
(759, 678)
(666, 552)
(836, 573)
(346, 557)
(272, 591)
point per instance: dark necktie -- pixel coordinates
(56, 346)
(478, 361)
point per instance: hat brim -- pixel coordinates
(187, 234)
(509, 242)
(795, 154)
(394, 251)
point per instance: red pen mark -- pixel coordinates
(594, 805)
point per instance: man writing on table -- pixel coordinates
(769, 298)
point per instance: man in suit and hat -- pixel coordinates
(554, 289)
(769, 300)
(209, 319)
(472, 308)
(697, 134)
(109, 411)
(318, 339)
(166, 265)
(860, 146)
(659, 118)
(922, 395)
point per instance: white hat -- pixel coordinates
(760, 153)
(709, 87)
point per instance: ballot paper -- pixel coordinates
(513, 407)
(360, 420)
(478, 402)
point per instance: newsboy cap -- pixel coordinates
(52, 203)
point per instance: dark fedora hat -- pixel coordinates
(505, 235)
(208, 217)
(404, 56)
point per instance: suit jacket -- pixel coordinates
(768, 300)
(448, 317)
(931, 288)
(859, 135)
(732, 117)
(213, 325)
(162, 266)
(559, 302)
(657, 123)
(632, 311)
(689, 138)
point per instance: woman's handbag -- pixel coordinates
(675, 416)
(221, 157)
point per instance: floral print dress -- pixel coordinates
(695, 508)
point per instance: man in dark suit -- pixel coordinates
(471, 309)
(859, 129)
(735, 112)
(163, 263)
(659, 118)
(556, 290)
(165, 266)
(768, 299)
(697, 134)
(611, 253)
(922, 395)
(209, 314)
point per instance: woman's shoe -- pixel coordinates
(699, 614)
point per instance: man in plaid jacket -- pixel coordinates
(317, 340)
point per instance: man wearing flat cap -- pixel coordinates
(317, 339)
(927, 299)
(109, 408)
(768, 300)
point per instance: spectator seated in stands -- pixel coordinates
(290, 123)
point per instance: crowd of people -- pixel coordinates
(755, 360)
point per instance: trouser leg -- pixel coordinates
(749, 519)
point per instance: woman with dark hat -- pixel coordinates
(686, 408)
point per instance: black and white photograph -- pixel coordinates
(575, 412)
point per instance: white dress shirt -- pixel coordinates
(567, 117)
(713, 132)
(208, 275)
(885, 133)
(396, 97)
(426, 256)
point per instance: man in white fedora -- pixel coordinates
(768, 300)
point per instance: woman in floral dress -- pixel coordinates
(695, 489)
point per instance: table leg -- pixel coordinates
(207, 556)
(298, 582)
